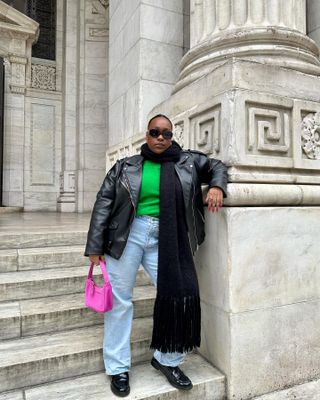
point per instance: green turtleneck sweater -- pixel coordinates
(149, 199)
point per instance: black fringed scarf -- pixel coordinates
(177, 313)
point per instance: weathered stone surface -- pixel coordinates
(49, 282)
(61, 355)
(305, 391)
(145, 381)
(259, 280)
(56, 313)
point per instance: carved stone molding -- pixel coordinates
(310, 135)
(98, 32)
(43, 77)
(18, 74)
(99, 7)
(126, 148)
(67, 182)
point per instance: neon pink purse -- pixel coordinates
(98, 298)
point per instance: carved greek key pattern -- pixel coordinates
(310, 135)
(178, 133)
(268, 131)
(206, 131)
(43, 77)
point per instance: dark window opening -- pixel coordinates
(44, 12)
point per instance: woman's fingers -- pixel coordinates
(214, 199)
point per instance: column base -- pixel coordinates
(66, 203)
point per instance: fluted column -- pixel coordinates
(214, 16)
(270, 31)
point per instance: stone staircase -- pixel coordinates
(51, 343)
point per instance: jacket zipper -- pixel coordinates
(129, 191)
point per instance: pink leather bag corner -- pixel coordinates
(98, 298)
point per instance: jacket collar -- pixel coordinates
(133, 172)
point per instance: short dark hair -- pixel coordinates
(160, 115)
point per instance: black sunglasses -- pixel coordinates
(156, 133)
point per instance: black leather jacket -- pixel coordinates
(117, 199)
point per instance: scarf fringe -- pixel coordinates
(177, 326)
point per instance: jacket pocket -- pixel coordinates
(110, 233)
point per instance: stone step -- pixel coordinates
(146, 384)
(36, 316)
(50, 282)
(45, 358)
(42, 258)
(50, 238)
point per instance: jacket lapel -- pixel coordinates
(133, 173)
(184, 172)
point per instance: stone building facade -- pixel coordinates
(240, 80)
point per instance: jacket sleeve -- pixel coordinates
(213, 172)
(101, 212)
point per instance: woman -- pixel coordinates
(149, 211)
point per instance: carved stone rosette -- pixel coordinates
(310, 135)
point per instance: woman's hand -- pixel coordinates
(95, 259)
(214, 199)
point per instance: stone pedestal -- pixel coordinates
(259, 277)
(248, 94)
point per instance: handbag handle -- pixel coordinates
(103, 269)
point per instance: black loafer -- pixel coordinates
(174, 375)
(120, 384)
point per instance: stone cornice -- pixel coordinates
(15, 23)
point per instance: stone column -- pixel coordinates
(268, 31)
(70, 126)
(248, 94)
(17, 33)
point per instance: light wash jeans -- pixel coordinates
(141, 248)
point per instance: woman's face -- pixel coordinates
(160, 144)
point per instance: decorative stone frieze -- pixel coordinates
(310, 135)
(43, 76)
(127, 148)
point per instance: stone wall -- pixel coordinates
(146, 46)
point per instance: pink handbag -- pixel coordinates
(98, 298)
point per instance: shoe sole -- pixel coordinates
(119, 394)
(171, 382)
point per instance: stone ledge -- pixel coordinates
(259, 194)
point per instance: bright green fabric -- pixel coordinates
(149, 200)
